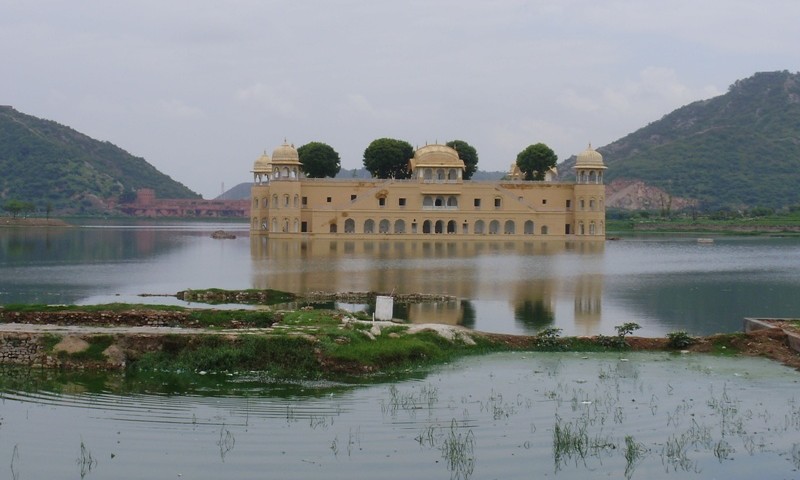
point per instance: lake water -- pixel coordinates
(500, 416)
(520, 415)
(662, 283)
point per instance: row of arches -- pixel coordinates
(439, 201)
(284, 201)
(590, 176)
(439, 226)
(283, 225)
(593, 204)
(440, 174)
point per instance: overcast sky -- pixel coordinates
(201, 88)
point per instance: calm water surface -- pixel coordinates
(662, 283)
(493, 417)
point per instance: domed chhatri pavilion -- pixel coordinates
(436, 200)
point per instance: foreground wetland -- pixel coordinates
(405, 400)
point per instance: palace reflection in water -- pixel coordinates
(530, 281)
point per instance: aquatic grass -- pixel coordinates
(723, 345)
(417, 349)
(314, 318)
(224, 318)
(281, 355)
(85, 460)
(458, 450)
(571, 440)
(634, 453)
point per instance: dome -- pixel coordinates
(263, 164)
(589, 158)
(285, 154)
(436, 156)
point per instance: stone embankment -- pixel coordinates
(130, 318)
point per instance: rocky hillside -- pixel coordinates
(737, 150)
(49, 164)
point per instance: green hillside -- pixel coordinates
(43, 162)
(740, 149)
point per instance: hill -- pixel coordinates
(737, 150)
(46, 163)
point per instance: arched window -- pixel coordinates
(452, 201)
(383, 227)
(265, 224)
(529, 227)
(349, 226)
(296, 201)
(275, 200)
(333, 228)
(439, 202)
(591, 204)
(592, 177)
(274, 224)
(479, 226)
(428, 174)
(581, 229)
(592, 228)
(451, 226)
(427, 201)
(582, 204)
(369, 226)
(426, 226)
(285, 227)
(286, 200)
(452, 174)
(296, 226)
(399, 226)
(440, 174)
(266, 202)
(494, 227)
(510, 228)
(544, 229)
(285, 172)
(438, 227)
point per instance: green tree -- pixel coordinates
(15, 207)
(319, 160)
(536, 160)
(467, 154)
(388, 158)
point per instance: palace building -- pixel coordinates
(435, 201)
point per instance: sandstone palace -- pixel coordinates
(435, 201)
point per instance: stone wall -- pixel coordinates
(24, 349)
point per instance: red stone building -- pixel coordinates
(147, 205)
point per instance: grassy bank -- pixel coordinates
(315, 344)
(720, 223)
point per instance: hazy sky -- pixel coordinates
(201, 88)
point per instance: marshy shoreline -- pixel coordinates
(302, 343)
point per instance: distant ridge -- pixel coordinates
(737, 150)
(52, 165)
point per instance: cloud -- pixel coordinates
(176, 109)
(274, 99)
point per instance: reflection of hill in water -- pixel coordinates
(526, 277)
(26, 246)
